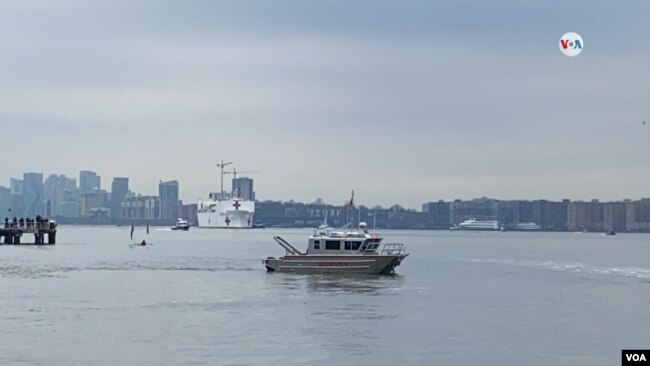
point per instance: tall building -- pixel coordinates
(93, 202)
(243, 188)
(438, 214)
(119, 189)
(33, 195)
(5, 202)
(54, 188)
(168, 195)
(140, 207)
(16, 186)
(89, 181)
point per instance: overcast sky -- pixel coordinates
(402, 101)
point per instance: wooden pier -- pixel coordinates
(13, 231)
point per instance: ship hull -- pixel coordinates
(368, 264)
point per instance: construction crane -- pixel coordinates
(221, 166)
(235, 172)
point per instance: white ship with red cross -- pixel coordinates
(225, 210)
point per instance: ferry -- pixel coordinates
(528, 226)
(334, 251)
(473, 224)
(225, 210)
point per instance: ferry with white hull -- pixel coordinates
(477, 225)
(331, 251)
(225, 211)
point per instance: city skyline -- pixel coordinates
(408, 100)
(124, 187)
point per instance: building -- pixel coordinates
(637, 215)
(16, 186)
(140, 207)
(614, 216)
(5, 202)
(479, 209)
(588, 216)
(89, 181)
(243, 188)
(92, 202)
(54, 187)
(168, 196)
(33, 204)
(438, 213)
(119, 190)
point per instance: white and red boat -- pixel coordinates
(334, 251)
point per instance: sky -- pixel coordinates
(403, 101)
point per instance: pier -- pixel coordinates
(13, 231)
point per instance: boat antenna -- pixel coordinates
(221, 166)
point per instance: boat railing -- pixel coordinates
(393, 249)
(288, 247)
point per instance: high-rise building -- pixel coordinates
(54, 188)
(93, 202)
(89, 181)
(16, 186)
(437, 214)
(33, 195)
(140, 207)
(243, 188)
(5, 202)
(119, 189)
(168, 195)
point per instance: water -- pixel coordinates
(203, 298)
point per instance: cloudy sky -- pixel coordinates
(403, 101)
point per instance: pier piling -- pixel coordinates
(12, 231)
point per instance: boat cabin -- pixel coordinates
(329, 241)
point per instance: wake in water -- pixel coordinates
(575, 267)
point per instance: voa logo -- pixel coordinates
(635, 357)
(571, 44)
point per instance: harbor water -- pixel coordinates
(203, 297)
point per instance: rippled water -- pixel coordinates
(203, 298)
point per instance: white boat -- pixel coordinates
(473, 224)
(181, 225)
(332, 251)
(225, 210)
(527, 226)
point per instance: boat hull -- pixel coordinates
(181, 228)
(368, 264)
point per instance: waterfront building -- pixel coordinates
(16, 186)
(438, 214)
(168, 198)
(5, 202)
(54, 188)
(91, 202)
(140, 207)
(89, 181)
(119, 190)
(33, 195)
(614, 216)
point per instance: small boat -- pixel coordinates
(181, 225)
(332, 251)
(258, 225)
(610, 232)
